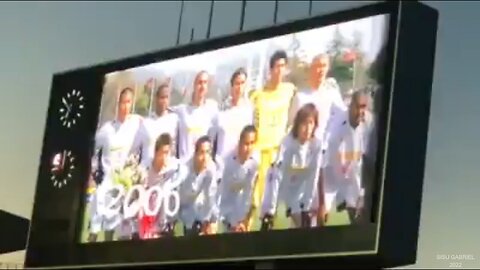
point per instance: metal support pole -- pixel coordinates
(180, 22)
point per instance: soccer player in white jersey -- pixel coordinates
(239, 176)
(196, 118)
(115, 139)
(163, 120)
(323, 92)
(298, 170)
(237, 113)
(198, 193)
(346, 147)
(166, 172)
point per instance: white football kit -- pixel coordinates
(236, 188)
(152, 128)
(327, 100)
(228, 124)
(169, 180)
(198, 195)
(117, 142)
(294, 176)
(342, 174)
(194, 122)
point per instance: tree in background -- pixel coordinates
(348, 65)
(112, 87)
(298, 64)
(143, 97)
(340, 69)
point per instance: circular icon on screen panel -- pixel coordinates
(71, 108)
(62, 167)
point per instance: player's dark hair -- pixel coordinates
(198, 75)
(358, 94)
(200, 141)
(238, 72)
(124, 91)
(277, 55)
(163, 139)
(160, 88)
(246, 130)
(306, 111)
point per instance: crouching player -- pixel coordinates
(295, 174)
(346, 147)
(236, 188)
(163, 177)
(198, 193)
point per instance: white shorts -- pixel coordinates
(292, 196)
(127, 227)
(99, 222)
(338, 190)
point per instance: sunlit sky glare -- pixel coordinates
(313, 42)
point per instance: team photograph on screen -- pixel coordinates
(273, 134)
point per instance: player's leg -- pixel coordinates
(166, 229)
(352, 197)
(109, 235)
(123, 231)
(96, 221)
(266, 222)
(194, 230)
(305, 217)
(213, 228)
(296, 219)
(321, 200)
(111, 226)
(134, 229)
(332, 193)
(267, 157)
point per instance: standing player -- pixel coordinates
(198, 193)
(323, 92)
(163, 120)
(166, 172)
(236, 114)
(271, 105)
(115, 140)
(195, 119)
(298, 169)
(241, 171)
(346, 148)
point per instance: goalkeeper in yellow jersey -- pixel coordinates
(271, 106)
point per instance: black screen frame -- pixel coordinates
(57, 217)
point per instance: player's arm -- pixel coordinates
(223, 189)
(210, 209)
(292, 111)
(141, 144)
(177, 140)
(97, 170)
(246, 206)
(274, 181)
(338, 104)
(313, 180)
(175, 135)
(180, 131)
(212, 133)
(188, 193)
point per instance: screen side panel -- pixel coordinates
(408, 134)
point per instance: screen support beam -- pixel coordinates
(182, 4)
(210, 18)
(242, 14)
(275, 13)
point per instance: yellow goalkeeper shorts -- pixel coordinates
(267, 158)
